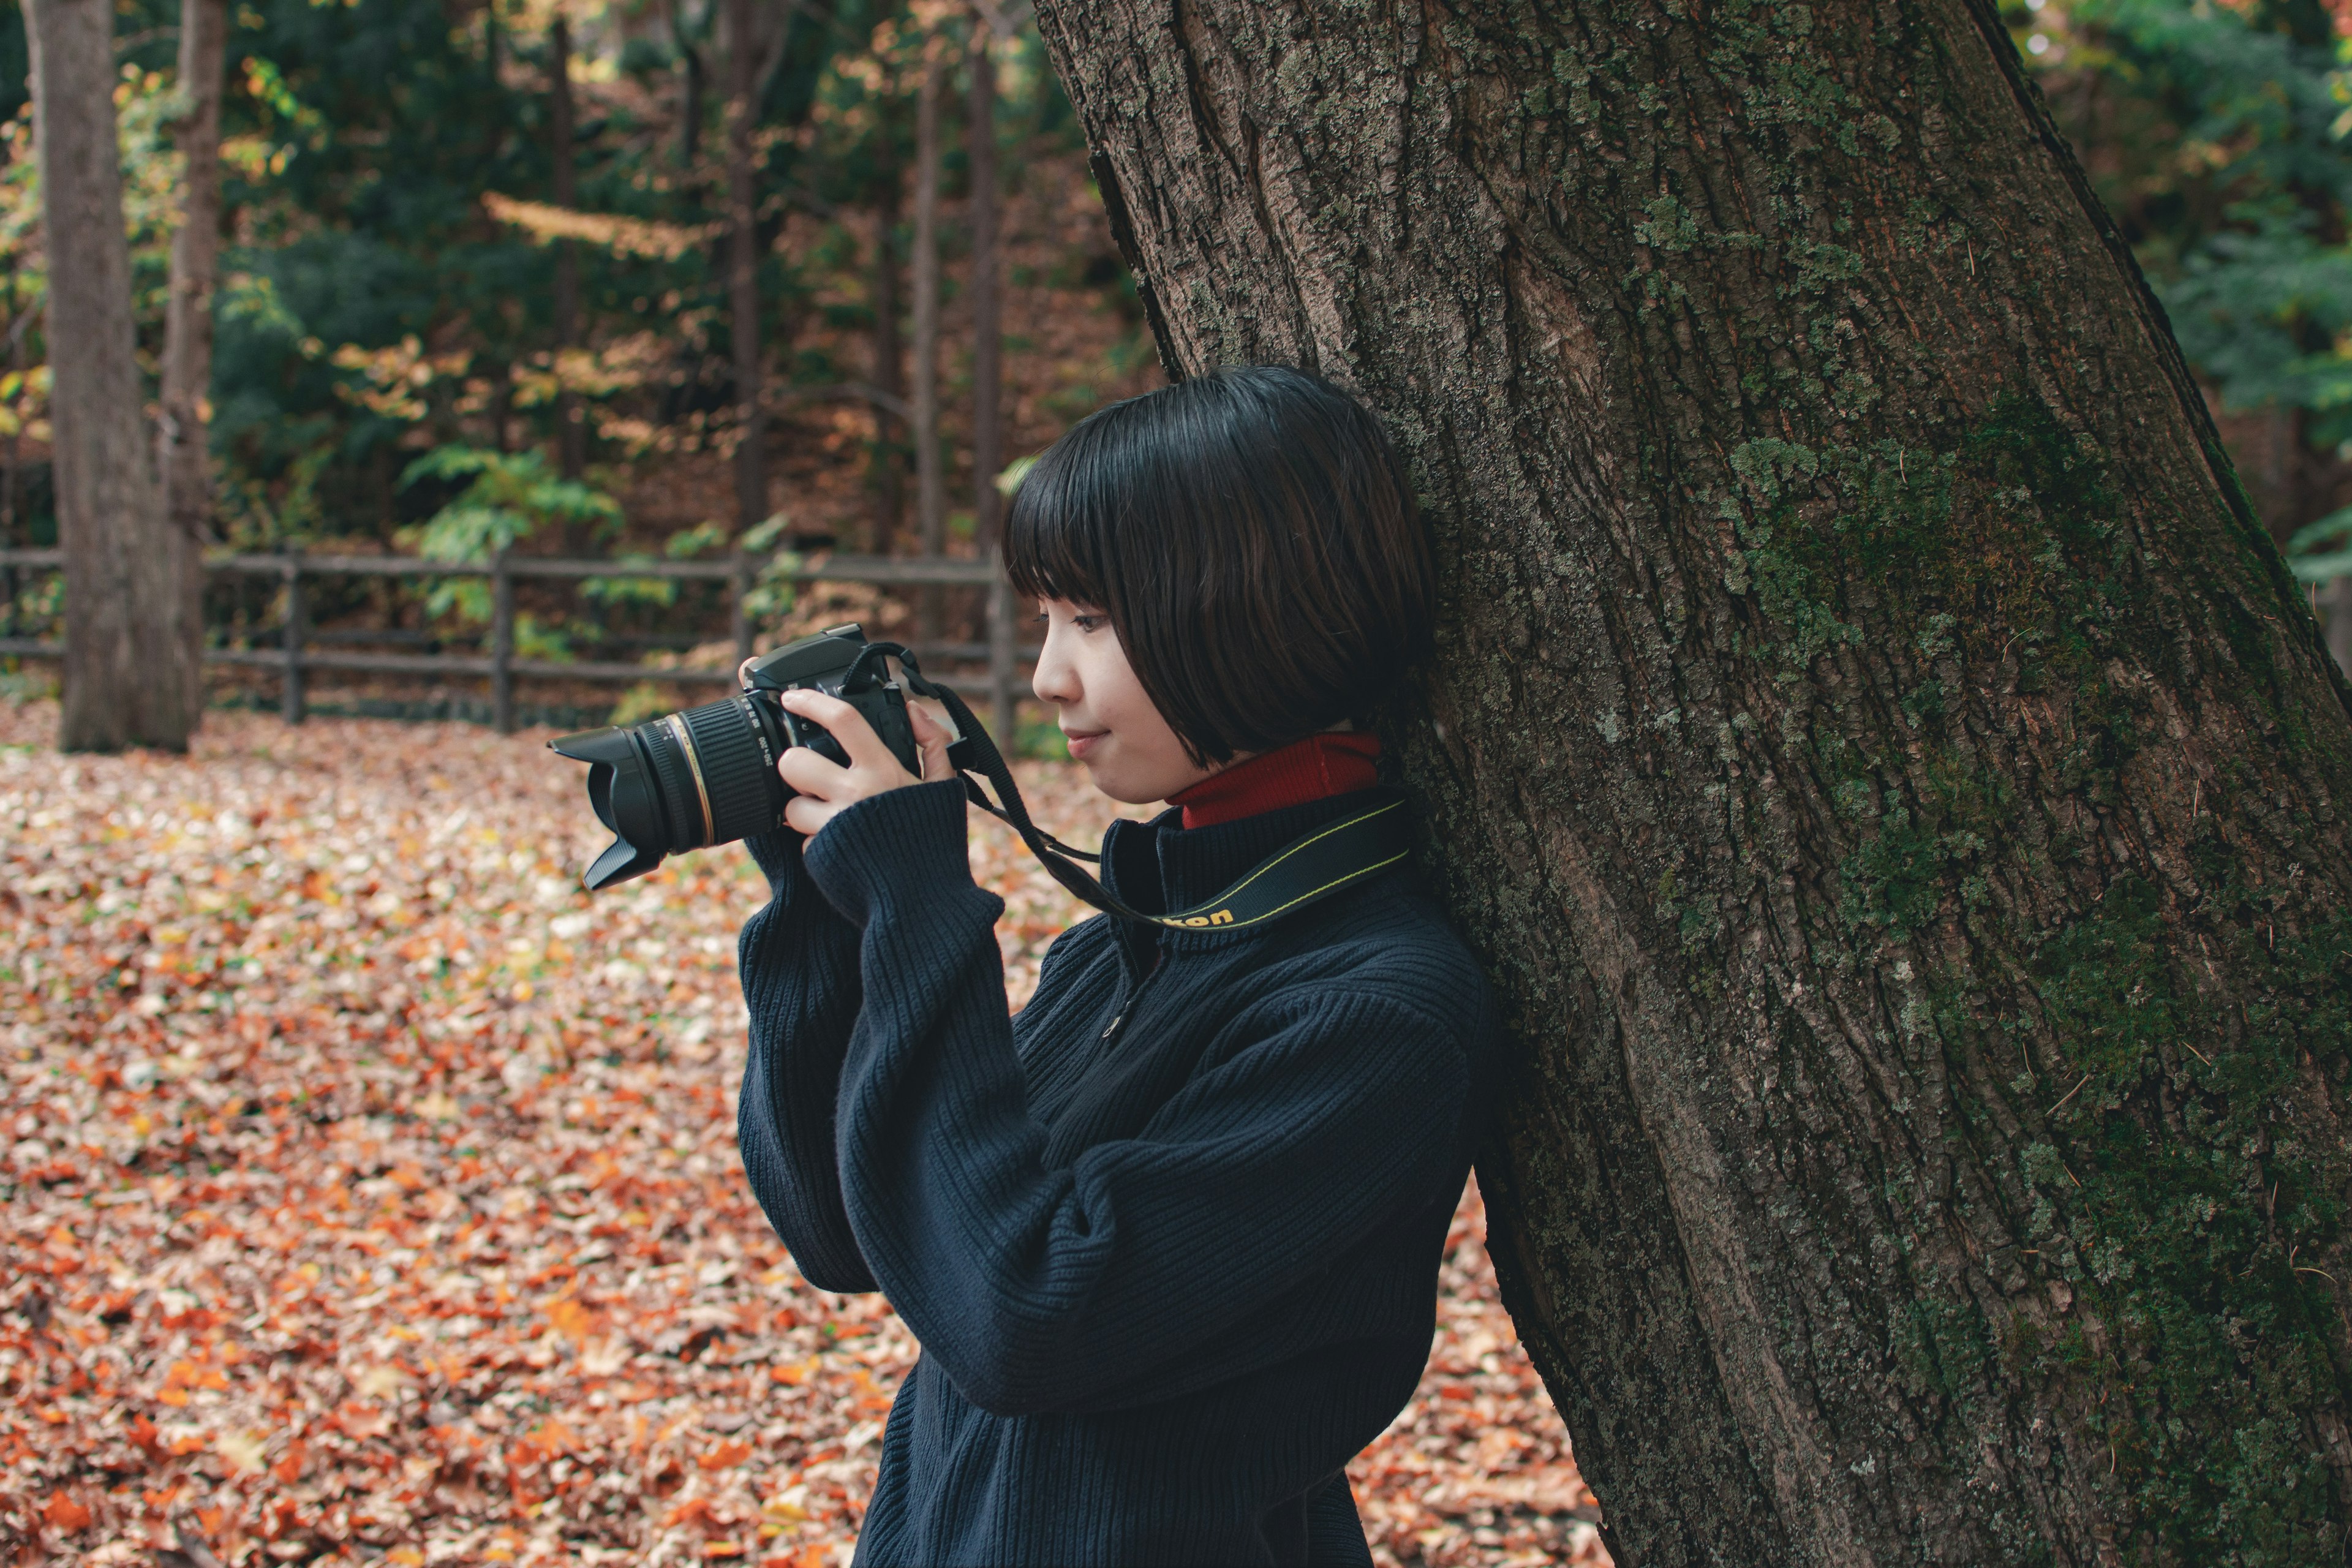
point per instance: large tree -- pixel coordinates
(1898, 793)
(182, 456)
(134, 616)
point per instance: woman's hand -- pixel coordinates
(826, 789)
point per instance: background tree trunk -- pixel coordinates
(743, 265)
(183, 455)
(987, 346)
(133, 669)
(1897, 791)
(931, 480)
(571, 430)
(888, 472)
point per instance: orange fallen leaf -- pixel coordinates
(361, 1421)
(65, 1513)
(726, 1455)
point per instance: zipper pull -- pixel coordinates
(1115, 1022)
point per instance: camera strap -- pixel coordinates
(1314, 865)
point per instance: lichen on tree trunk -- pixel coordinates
(1883, 761)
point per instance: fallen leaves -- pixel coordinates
(368, 1192)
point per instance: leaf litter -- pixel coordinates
(370, 1191)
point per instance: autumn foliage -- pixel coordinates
(371, 1191)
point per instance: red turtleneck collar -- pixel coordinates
(1312, 769)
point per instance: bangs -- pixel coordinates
(1061, 532)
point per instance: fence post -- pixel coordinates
(502, 713)
(741, 585)
(290, 694)
(1001, 670)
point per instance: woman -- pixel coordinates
(1169, 1238)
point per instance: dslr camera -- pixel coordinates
(708, 775)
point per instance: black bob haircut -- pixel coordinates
(1251, 537)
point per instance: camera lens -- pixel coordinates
(733, 760)
(684, 781)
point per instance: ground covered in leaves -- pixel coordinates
(369, 1193)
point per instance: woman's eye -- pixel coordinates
(1086, 623)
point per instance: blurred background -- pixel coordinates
(481, 291)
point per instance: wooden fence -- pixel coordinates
(294, 658)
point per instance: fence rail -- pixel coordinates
(294, 657)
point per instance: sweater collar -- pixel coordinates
(1160, 865)
(1333, 763)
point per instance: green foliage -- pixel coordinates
(386, 284)
(507, 498)
(2218, 136)
(2322, 551)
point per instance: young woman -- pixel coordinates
(1169, 1236)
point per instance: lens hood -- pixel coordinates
(627, 799)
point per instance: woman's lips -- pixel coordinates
(1082, 742)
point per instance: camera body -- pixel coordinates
(823, 663)
(708, 775)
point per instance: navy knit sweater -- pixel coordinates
(1169, 1238)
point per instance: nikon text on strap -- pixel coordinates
(1331, 857)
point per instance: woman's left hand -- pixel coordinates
(826, 789)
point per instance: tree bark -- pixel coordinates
(743, 265)
(1890, 777)
(133, 669)
(571, 427)
(987, 345)
(184, 452)
(931, 480)
(890, 353)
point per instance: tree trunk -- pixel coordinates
(133, 669)
(987, 373)
(571, 427)
(743, 265)
(689, 87)
(1893, 784)
(184, 451)
(931, 482)
(889, 353)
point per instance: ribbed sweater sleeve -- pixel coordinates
(799, 963)
(1098, 1285)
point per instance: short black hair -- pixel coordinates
(1252, 538)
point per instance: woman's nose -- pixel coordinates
(1056, 682)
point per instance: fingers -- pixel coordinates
(743, 671)
(846, 725)
(804, 813)
(810, 774)
(822, 788)
(931, 738)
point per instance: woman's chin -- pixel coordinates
(1107, 778)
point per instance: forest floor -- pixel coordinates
(368, 1192)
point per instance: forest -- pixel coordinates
(475, 294)
(475, 274)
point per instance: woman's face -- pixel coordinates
(1113, 729)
